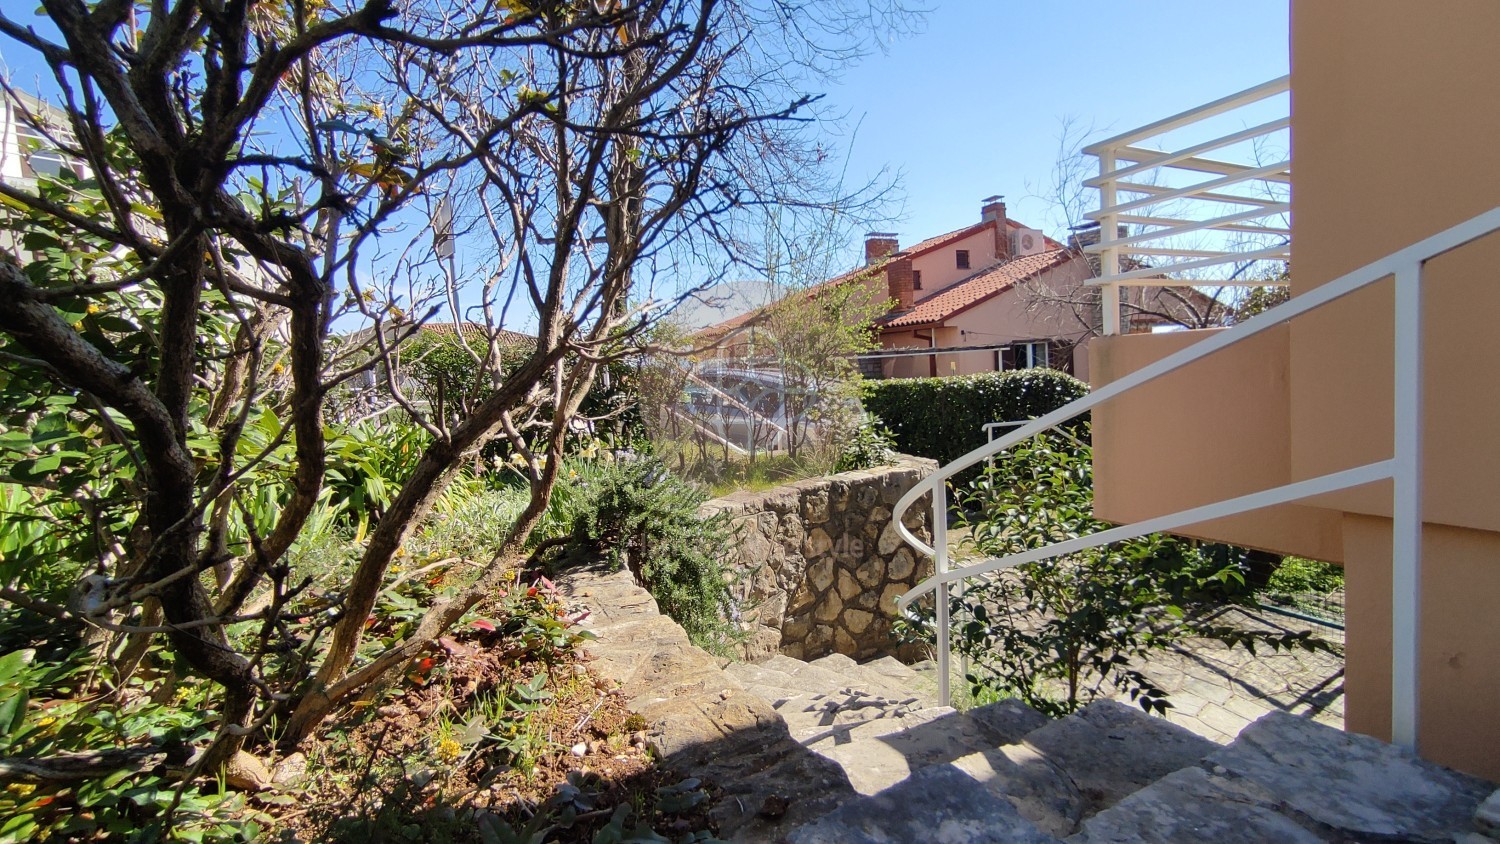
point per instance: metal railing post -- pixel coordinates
(1109, 259)
(940, 566)
(1406, 513)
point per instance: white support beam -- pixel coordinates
(1201, 164)
(1190, 226)
(1109, 257)
(1161, 195)
(1227, 227)
(1188, 159)
(1202, 191)
(1406, 513)
(1151, 276)
(1257, 93)
(1165, 252)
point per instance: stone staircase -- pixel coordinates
(833, 752)
(1109, 773)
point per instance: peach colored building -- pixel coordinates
(1394, 122)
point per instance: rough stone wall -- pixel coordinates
(820, 564)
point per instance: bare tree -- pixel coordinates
(245, 157)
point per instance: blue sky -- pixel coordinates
(974, 105)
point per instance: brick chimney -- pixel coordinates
(880, 244)
(994, 209)
(898, 282)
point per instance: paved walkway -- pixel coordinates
(1216, 691)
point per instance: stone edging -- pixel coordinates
(700, 720)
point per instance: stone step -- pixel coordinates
(1290, 779)
(893, 672)
(753, 674)
(878, 753)
(937, 804)
(1063, 771)
(1358, 785)
(832, 678)
(808, 714)
(811, 689)
(884, 673)
(1191, 806)
(1008, 721)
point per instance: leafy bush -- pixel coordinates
(1060, 632)
(42, 715)
(943, 418)
(637, 514)
(869, 446)
(1298, 574)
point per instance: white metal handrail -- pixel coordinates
(1404, 468)
(1172, 211)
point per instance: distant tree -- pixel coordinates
(811, 340)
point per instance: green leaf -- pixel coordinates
(13, 710)
(13, 663)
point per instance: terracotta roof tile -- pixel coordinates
(975, 289)
(728, 326)
(474, 330)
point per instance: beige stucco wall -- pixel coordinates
(1393, 133)
(1394, 140)
(1394, 129)
(1212, 431)
(939, 268)
(1460, 696)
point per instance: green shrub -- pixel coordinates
(1297, 574)
(869, 446)
(943, 418)
(1059, 632)
(639, 515)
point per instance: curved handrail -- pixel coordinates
(1406, 266)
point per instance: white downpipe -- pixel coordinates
(1406, 513)
(940, 568)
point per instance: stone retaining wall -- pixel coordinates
(821, 564)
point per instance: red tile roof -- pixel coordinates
(728, 326)
(975, 289)
(476, 331)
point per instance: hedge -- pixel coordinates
(943, 418)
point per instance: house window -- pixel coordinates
(1031, 355)
(45, 162)
(916, 279)
(40, 157)
(963, 259)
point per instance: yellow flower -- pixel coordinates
(448, 749)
